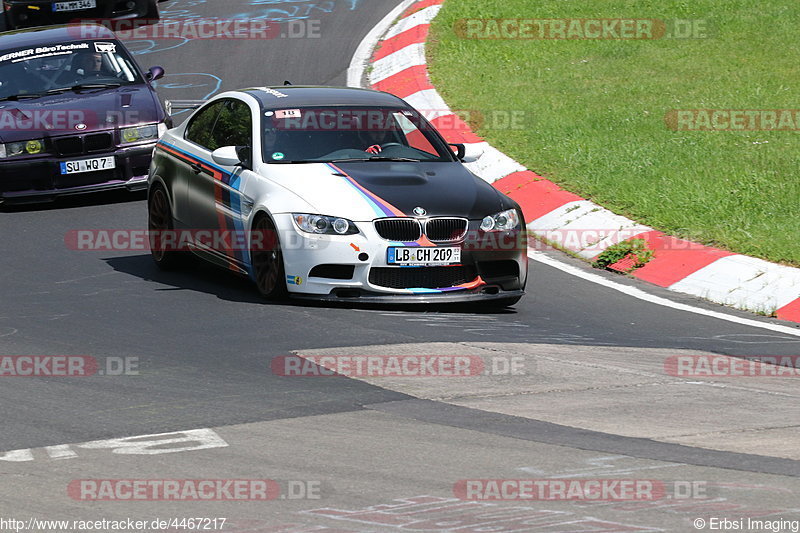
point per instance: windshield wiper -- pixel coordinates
(302, 162)
(407, 159)
(376, 158)
(16, 97)
(84, 86)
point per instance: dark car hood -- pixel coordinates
(61, 114)
(442, 189)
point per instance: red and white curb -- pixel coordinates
(398, 65)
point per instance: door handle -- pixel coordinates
(197, 169)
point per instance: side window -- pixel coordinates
(234, 126)
(199, 131)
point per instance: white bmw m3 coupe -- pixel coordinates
(335, 194)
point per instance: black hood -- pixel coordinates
(61, 114)
(442, 189)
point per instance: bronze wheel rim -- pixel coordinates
(266, 261)
(158, 221)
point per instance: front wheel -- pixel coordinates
(159, 222)
(268, 260)
(152, 15)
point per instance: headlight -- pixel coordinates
(33, 147)
(322, 225)
(140, 133)
(162, 129)
(507, 220)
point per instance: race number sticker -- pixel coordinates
(288, 113)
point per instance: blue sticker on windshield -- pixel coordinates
(277, 156)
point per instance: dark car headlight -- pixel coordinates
(503, 221)
(32, 147)
(324, 225)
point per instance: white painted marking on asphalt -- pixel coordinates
(412, 55)
(155, 444)
(420, 18)
(17, 456)
(429, 103)
(358, 64)
(585, 228)
(642, 295)
(62, 451)
(201, 439)
(744, 281)
(493, 164)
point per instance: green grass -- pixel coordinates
(595, 112)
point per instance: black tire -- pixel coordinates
(159, 220)
(152, 14)
(268, 261)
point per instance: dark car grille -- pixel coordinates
(97, 142)
(399, 229)
(411, 229)
(446, 229)
(422, 277)
(80, 144)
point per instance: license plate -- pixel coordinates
(74, 5)
(408, 255)
(88, 165)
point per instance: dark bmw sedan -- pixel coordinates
(76, 115)
(27, 13)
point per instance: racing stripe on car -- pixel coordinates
(381, 207)
(474, 284)
(221, 195)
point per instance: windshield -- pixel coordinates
(336, 134)
(35, 71)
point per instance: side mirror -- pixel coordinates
(245, 155)
(460, 150)
(472, 153)
(467, 154)
(155, 73)
(226, 156)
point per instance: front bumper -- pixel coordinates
(29, 13)
(490, 269)
(39, 179)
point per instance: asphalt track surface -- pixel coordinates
(204, 340)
